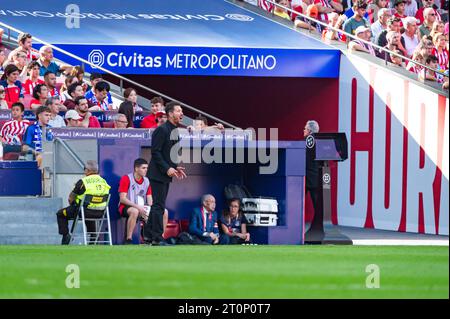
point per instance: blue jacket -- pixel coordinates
(196, 224)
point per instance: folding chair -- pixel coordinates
(94, 237)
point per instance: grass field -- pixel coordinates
(224, 272)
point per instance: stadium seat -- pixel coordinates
(11, 156)
(27, 101)
(109, 124)
(173, 229)
(184, 225)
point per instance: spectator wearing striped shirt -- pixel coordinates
(90, 93)
(328, 6)
(12, 131)
(13, 88)
(50, 82)
(440, 50)
(362, 33)
(100, 99)
(33, 78)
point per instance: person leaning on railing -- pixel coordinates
(335, 21)
(313, 12)
(362, 33)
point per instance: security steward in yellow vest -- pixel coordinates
(91, 184)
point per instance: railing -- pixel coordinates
(69, 151)
(120, 77)
(348, 35)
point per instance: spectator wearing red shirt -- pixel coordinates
(150, 120)
(440, 50)
(327, 6)
(33, 78)
(82, 107)
(13, 88)
(426, 4)
(399, 6)
(11, 134)
(135, 194)
(50, 81)
(40, 96)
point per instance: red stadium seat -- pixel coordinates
(184, 225)
(108, 124)
(11, 156)
(27, 101)
(173, 229)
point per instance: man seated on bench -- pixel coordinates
(135, 193)
(91, 184)
(203, 222)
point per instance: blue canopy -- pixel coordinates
(185, 37)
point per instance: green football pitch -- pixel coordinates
(224, 272)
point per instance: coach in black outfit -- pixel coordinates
(314, 180)
(161, 170)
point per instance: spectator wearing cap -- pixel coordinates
(47, 64)
(40, 96)
(73, 118)
(393, 24)
(429, 16)
(130, 94)
(411, 8)
(350, 12)
(440, 50)
(120, 121)
(13, 88)
(25, 42)
(381, 24)
(362, 33)
(410, 36)
(33, 78)
(157, 104)
(313, 12)
(374, 8)
(74, 90)
(358, 19)
(90, 93)
(56, 120)
(3, 103)
(161, 117)
(126, 108)
(82, 107)
(427, 4)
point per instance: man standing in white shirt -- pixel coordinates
(410, 35)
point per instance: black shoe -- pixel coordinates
(128, 242)
(164, 243)
(66, 239)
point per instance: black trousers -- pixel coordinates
(69, 213)
(154, 228)
(317, 201)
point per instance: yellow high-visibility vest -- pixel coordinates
(94, 185)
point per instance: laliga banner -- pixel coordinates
(208, 61)
(397, 175)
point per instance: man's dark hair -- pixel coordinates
(95, 76)
(36, 90)
(78, 99)
(22, 107)
(431, 58)
(42, 109)
(157, 99)
(393, 19)
(101, 86)
(32, 64)
(202, 118)
(139, 162)
(48, 73)
(170, 107)
(72, 88)
(23, 37)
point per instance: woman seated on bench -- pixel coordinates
(234, 224)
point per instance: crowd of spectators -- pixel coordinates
(414, 29)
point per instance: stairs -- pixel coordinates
(29, 220)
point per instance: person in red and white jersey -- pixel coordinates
(150, 121)
(417, 57)
(265, 5)
(440, 50)
(11, 134)
(50, 82)
(13, 88)
(399, 6)
(25, 41)
(328, 6)
(33, 78)
(427, 4)
(135, 194)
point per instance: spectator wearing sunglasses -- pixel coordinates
(427, 4)
(429, 15)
